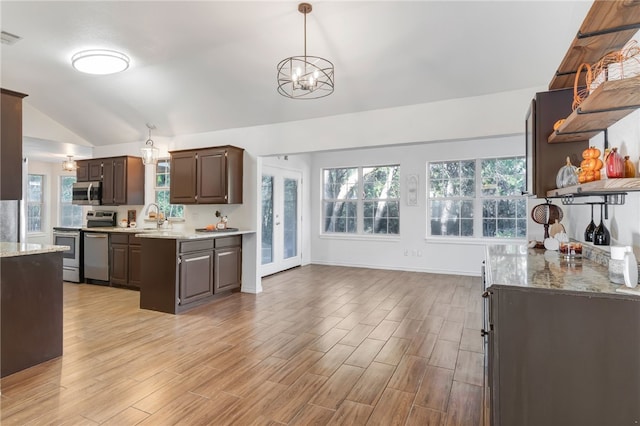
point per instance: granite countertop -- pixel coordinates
(191, 234)
(517, 265)
(24, 249)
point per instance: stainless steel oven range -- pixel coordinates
(71, 259)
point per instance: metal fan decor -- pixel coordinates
(305, 77)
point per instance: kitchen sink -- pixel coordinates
(217, 230)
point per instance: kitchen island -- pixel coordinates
(563, 344)
(31, 305)
(182, 270)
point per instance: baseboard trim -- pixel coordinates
(396, 268)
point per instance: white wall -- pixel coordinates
(427, 255)
(624, 221)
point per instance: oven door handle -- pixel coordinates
(89, 191)
(65, 234)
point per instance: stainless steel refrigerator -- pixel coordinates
(13, 216)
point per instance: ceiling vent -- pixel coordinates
(8, 38)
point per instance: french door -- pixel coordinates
(281, 219)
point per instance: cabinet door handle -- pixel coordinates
(484, 333)
(486, 294)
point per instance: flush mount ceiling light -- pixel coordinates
(149, 152)
(69, 165)
(100, 61)
(305, 77)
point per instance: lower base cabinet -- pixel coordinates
(180, 274)
(125, 256)
(559, 358)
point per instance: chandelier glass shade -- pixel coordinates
(148, 151)
(305, 77)
(100, 61)
(69, 165)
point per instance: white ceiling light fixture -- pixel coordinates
(305, 77)
(69, 165)
(100, 61)
(149, 152)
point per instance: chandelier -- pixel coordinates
(149, 152)
(69, 165)
(305, 77)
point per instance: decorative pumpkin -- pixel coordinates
(615, 164)
(558, 123)
(590, 167)
(567, 175)
(591, 152)
(629, 169)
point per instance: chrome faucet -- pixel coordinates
(159, 221)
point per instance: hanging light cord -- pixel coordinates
(149, 141)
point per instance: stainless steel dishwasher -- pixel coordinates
(96, 256)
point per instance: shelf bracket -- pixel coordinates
(604, 31)
(580, 111)
(577, 132)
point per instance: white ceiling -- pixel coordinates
(209, 65)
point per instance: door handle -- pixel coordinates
(96, 235)
(277, 223)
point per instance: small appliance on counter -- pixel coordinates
(101, 219)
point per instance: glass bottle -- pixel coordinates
(615, 164)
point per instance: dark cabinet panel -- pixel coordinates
(207, 176)
(122, 178)
(135, 259)
(545, 159)
(107, 182)
(11, 145)
(227, 269)
(196, 276)
(95, 170)
(212, 176)
(183, 178)
(563, 359)
(119, 264)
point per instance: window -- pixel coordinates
(477, 198)
(70, 214)
(35, 203)
(361, 200)
(162, 191)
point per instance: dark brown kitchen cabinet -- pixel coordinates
(562, 358)
(89, 170)
(178, 275)
(125, 254)
(122, 181)
(122, 178)
(545, 159)
(227, 267)
(11, 145)
(207, 176)
(196, 273)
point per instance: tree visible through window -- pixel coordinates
(477, 198)
(35, 203)
(163, 168)
(361, 200)
(70, 214)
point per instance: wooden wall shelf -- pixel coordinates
(594, 39)
(610, 102)
(598, 187)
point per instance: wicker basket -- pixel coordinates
(617, 65)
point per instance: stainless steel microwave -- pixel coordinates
(87, 193)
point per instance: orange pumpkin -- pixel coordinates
(591, 152)
(599, 164)
(588, 164)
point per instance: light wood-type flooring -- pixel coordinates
(321, 345)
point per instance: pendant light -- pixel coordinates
(305, 77)
(149, 152)
(69, 165)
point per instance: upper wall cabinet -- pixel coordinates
(11, 145)
(608, 26)
(122, 178)
(207, 176)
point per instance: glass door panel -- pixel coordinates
(281, 217)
